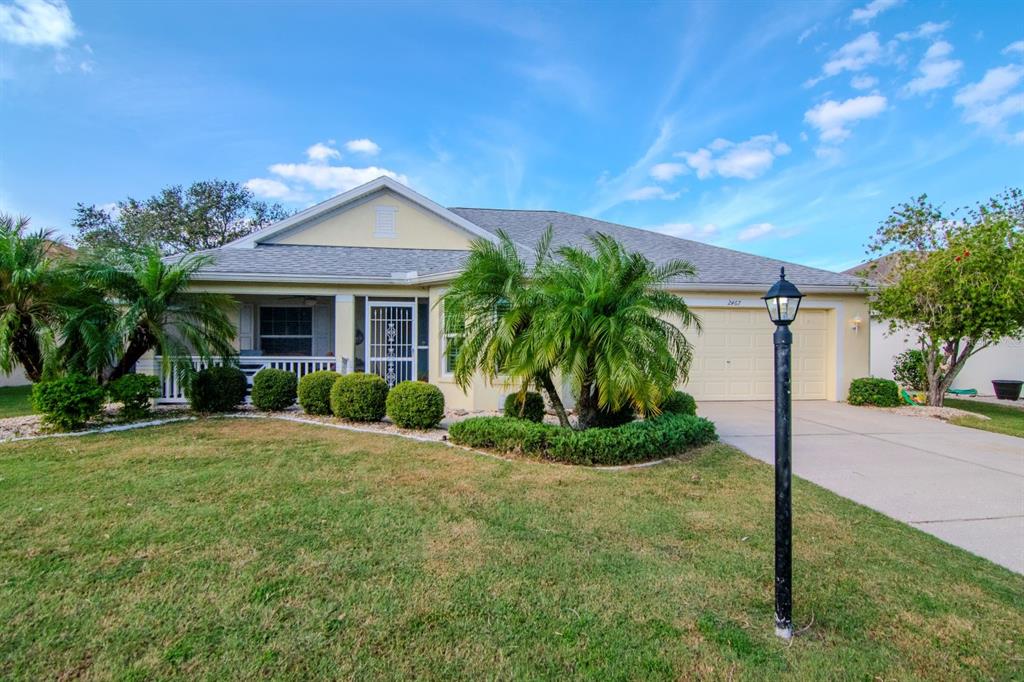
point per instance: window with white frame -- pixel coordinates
(286, 330)
(450, 340)
(385, 223)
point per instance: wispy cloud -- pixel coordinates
(863, 82)
(651, 192)
(1016, 47)
(856, 55)
(322, 152)
(665, 172)
(746, 160)
(872, 9)
(925, 30)
(363, 146)
(37, 23)
(833, 118)
(705, 232)
(991, 102)
(755, 231)
(938, 70)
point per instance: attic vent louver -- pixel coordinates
(385, 223)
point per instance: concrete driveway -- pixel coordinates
(962, 485)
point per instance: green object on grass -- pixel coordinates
(962, 391)
(907, 398)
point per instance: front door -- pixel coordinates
(391, 351)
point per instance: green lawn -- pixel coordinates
(1002, 419)
(14, 401)
(227, 549)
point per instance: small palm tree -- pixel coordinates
(32, 284)
(489, 307)
(137, 302)
(604, 317)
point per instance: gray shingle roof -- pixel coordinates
(715, 265)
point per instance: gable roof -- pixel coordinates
(252, 259)
(353, 195)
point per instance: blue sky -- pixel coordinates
(785, 129)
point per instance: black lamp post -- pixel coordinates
(783, 301)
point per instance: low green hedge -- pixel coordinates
(314, 391)
(134, 391)
(871, 391)
(274, 389)
(415, 405)
(68, 402)
(359, 396)
(679, 402)
(529, 406)
(637, 441)
(216, 389)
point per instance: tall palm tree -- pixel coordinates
(604, 317)
(145, 304)
(489, 307)
(32, 284)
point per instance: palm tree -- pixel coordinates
(489, 307)
(32, 284)
(141, 303)
(606, 320)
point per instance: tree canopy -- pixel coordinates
(205, 215)
(956, 281)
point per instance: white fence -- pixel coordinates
(172, 390)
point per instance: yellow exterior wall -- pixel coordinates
(415, 228)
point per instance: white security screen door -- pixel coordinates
(391, 351)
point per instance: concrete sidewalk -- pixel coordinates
(962, 485)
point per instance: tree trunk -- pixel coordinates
(586, 407)
(556, 401)
(29, 354)
(954, 357)
(141, 342)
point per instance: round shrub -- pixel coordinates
(871, 391)
(273, 389)
(216, 389)
(529, 406)
(315, 391)
(679, 402)
(134, 391)
(360, 397)
(908, 370)
(68, 402)
(415, 405)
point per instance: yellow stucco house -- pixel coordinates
(351, 284)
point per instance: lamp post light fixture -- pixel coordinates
(783, 302)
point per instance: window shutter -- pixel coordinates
(245, 326)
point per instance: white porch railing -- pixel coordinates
(172, 389)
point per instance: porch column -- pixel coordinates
(344, 331)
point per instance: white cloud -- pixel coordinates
(266, 188)
(755, 232)
(688, 230)
(833, 119)
(856, 55)
(925, 30)
(651, 192)
(37, 23)
(667, 171)
(363, 146)
(937, 69)
(1015, 47)
(863, 82)
(991, 102)
(322, 152)
(746, 160)
(807, 33)
(872, 10)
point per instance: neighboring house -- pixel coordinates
(1004, 360)
(353, 283)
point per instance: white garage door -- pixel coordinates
(733, 358)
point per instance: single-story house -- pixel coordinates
(1004, 360)
(352, 284)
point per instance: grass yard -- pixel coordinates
(14, 401)
(234, 549)
(1002, 419)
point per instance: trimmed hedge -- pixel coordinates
(679, 402)
(315, 391)
(359, 396)
(634, 442)
(415, 405)
(531, 407)
(134, 391)
(68, 402)
(872, 391)
(216, 389)
(274, 389)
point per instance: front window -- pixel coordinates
(450, 341)
(286, 330)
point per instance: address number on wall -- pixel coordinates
(735, 302)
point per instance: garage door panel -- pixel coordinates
(734, 357)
